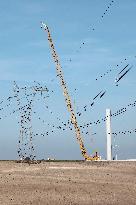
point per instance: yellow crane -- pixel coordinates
(67, 97)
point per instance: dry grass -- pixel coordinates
(67, 183)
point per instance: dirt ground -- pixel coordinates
(63, 183)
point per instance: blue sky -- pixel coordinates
(25, 56)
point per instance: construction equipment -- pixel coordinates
(67, 97)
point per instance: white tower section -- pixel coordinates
(108, 132)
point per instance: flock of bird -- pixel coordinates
(25, 145)
(120, 75)
(107, 10)
(63, 124)
(67, 125)
(124, 132)
(25, 142)
(24, 109)
(25, 97)
(93, 27)
(111, 69)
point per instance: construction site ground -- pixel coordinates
(68, 182)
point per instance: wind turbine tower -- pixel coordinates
(109, 134)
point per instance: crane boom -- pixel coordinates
(66, 96)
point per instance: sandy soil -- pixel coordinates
(63, 183)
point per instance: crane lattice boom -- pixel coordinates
(66, 96)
